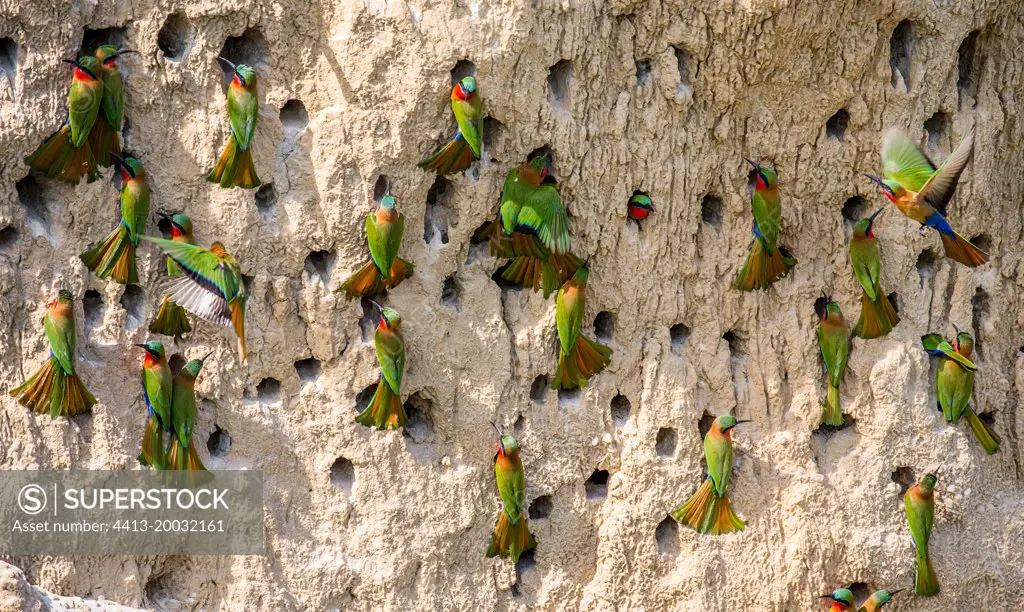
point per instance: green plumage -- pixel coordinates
(766, 204)
(84, 101)
(511, 482)
(866, 258)
(222, 271)
(60, 332)
(718, 454)
(570, 306)
(919, 504)
(834, 344)
(469, 115)
(384, 235)
(390, 346)
(954, 379)
(113, 91)
(543, 213)
(243, 107)
(157, 391)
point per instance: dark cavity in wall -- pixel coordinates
(980, 311)
(667, 537)
(343, 475)
(860, 591)
(381, 187)
(308, 369)
(92, 303)
(705, 423)
(249, 48)
(266, 199)
(568, 397)
(678, 334)
(665, 443)
(494, 130)
(219, 442)
(92, 39)
(926, 263)
(935, 126)
(133, 300)
(268, 391)
(683, 66)
(37, 215)
(643, 72)
(854, 209)
(983, 242)
(559, 84)
(363, 397)
(819, 307)
(8, 238)
(294, 117)
(439, 211)
(901, 47)
(320, 265)
(904, 476)
(539, 389)
(176, 362)
(175, 37)
(620, 410)
(463, 69)
(604, 326)
(541, 507)
(836, 125)
(968, 70)
(597, 485)
(451, 293)
(711, 211)
(894, 299)
(419, 432)
(9, 59)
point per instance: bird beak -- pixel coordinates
(744, 421)
(956, 328)
(228, 62)
(123, 51)
(753, 163)
(160, 213)
(875, 179)
(143, 347)
(652, 209)
(379, 307)
(495, 426)
(826, 597)
(586, 263)
(877, 212)
(119, 159)
(205, 357)
(893, 593)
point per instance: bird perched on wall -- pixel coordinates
(157, 390)
(877, 315)
(235, 167)
(385, 270)
(171, 320)
(842, 600)
(114, 257)
(56, 388)
(457, 155)
(104, 138)
(920, 190)
(183, 455)
(877, 600)
(511, 537)
(638, 208)
(919, 503)
(211, 286)
(66, 154)
(385, 410)
(834, 343)
(579, 357)
(767, 260)
(709, 510)
(954, 384)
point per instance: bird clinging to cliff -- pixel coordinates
(66, 154)
(920, 190)
(385, 270)
(171, 320)
(638, 208)
(954, 384)
(157, 390)
(115, 256)
(56, 388)
(919, 504)
(709, 510)
(579, 357)
(842, 600)
(385, 410)
(104, 139)
(877, 600)
(457, 155)
(834, 343)
(235, 167)
(511, 537)
(182, 454)
(877, 315)
(767, 260)
(211, 286)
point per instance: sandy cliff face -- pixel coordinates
(665, 98)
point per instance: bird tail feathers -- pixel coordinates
(510, 539)
(706, 512)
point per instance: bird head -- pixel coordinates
(130, 167)
(64, 298)
(507, 445)
(963, 343)
(641, 200)
(890, 188)
(108, 54)
(765, 176)
(865, 227)
(535, 170)
(389, 317)
(191, 369)
(927, 482)
(843, 597)
(725, 422)
(154, 350)
(86, 68)
(466, 87)
(388, 201)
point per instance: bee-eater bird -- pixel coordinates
(709, 510)
(877, 315)
(385, 270)
(919, 503)
(877, 600)
(55, 388)
(920, 190)
(66, 154)
(767, 261)
(842, 600)
(834, 342)
(183, 455)
(579, 357)
(235, 167)
(385, 410)
(639, 207)
(114, 257)
(457, 155)
(511, 537)
(157, 391)
(211, 286)
(104, 139)
(172, 320)
(530, 207)
(954, 384)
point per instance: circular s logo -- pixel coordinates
(32, 499)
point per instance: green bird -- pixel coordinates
(55, 387)
(104, 139)
(919, 503)
(235, 167)
(842, 600)
(954, 384)
(114, 257)
(66, 154)
(457, 155)
(530, 207)
(877, 600)
(211, 286)
(511, 537)
(767, 261)
(183, 455)
(834, 342)
(171, 320)
(157, 391)
(385, 410)
(385, 270)
(877, 315)
(709, 509)
(579, 357)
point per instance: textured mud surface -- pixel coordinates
(662, 97)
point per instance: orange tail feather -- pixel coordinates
(113, 258)
(238, 322)
(401, 269)
(706, 512)
(182, 458)
(51, 390)
(586, 359)
(761, 269)
(366, 281)
(59, 159)
(385, 410)
(103, 140)
(171, 320)
(152, 451)
(234, 168)
(454, 157)
(510, 539)
(960, 249)
(877, 318)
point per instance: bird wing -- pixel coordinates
(208, 282)
(903, 161)
(768, 216)
(113, 100)
(512, 488)
(84, 103)
(183, 409)
(376, 243)
(156, 386)
(569, 316)
(940, 187)
(135, 207)
(935, 345)
(867, 267)
(391, 356)
(718, 454)
(61, 335)
(835, 351)
(467, 115)
(243, 110)
(544, 214)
